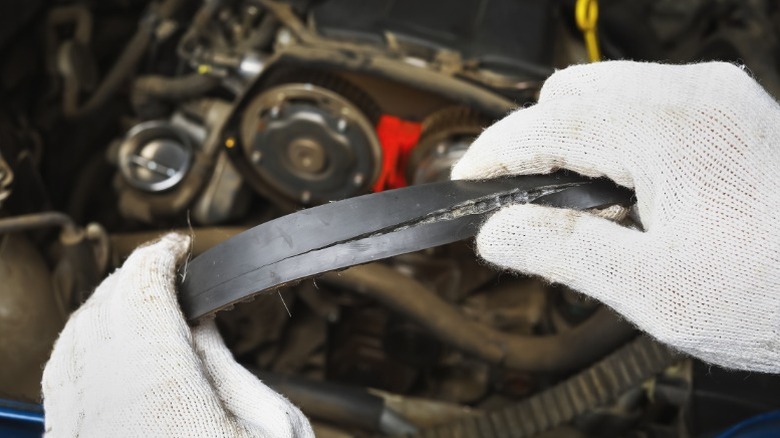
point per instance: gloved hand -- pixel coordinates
(700, 145)
(127, 364)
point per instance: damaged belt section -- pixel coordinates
(369, 228)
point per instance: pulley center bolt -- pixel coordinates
(306, 155)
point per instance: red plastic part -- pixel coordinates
(397, 137)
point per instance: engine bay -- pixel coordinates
(122, 120)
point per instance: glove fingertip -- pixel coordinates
(462, 170)
(177, 244)
(172, 247)
(152, 270)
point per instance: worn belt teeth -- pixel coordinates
(484, 206)
(478, 207)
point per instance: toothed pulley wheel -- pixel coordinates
(312, 138)
(446, 134)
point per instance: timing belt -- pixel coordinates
(369, 228)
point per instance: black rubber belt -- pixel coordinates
(369, 228)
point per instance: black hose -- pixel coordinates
(337, 403)
(37, 220)
(175, 88)
(152, 88)
(571, 350)
(126, 64)
(121, 70)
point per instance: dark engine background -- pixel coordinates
(124, 119)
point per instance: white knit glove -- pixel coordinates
(700, 145)
(127, 364)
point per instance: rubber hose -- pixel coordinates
(121, 70)
(37, 220)
(337, 403)
(125, 65)
(567, 351)
(589, 389)
(175, 88)
(147, 89)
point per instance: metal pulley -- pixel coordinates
(311, 138)
(155, 156)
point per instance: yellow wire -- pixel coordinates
(586, 13)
